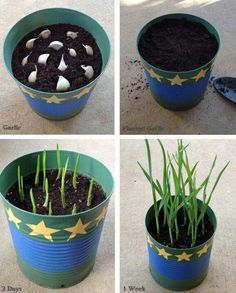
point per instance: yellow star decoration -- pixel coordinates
(162, 252)
(79, 228)
(53, 100)
(203, 250)
(201, 74)
(184, 256)
(177, 80)
(41, 229)
(84, 92)
(101, 216)
(155, 75)
(149, 241)
(13, 218)
(27, 92)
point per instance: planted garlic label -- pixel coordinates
(89, 72)
(62, 66)
(72, 52)
(62, 84)
(72, 35)
(45, 34)
(43, 59)
(30, 43)
(25, 60)
(33, 76)
(89, 50)
(56, 45)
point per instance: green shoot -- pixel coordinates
(20, 185)
(89, 196)
(50, 208)
(36, 181)
(74, 210)
(47, 195)
(32, 201)
(63, 202)
(58, 163)
(44, 169)
(179, 193)
(75, 171)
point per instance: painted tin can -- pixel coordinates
(179, 269)
(56, 251)
(56, 106)
(180, 90)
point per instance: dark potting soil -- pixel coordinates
(177, 45)
(47, 75)
(184, 240)
(72, 196)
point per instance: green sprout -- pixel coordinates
(44, 169)
(89, 196)
(75, 171)
(74, 209)
(179, 191)
(63, 184)
(20, 185)
(50, 208)
(32, 201)
(36, 181)
(58, 163)
(47, 195)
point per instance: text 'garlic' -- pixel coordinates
(89, 50)
(89, 72)
(56, 45)
(45, 34)
(62, 84)
(43, 59)
(33, 76)
(72, 35)
(62, 66)
(72, 52)
(30, 43)
(25, 60)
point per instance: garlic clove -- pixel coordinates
(62, 84)
(72, 35)
(56, 45)
(30, 43)
(25, 60)
(62, 66)
(45, 34)
(72, 52)
(89, 49)
(89, 72)
(33, 76)
(43, 59)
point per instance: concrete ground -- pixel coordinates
(140, 114)
(96, 117)
(136, 198)
(101, 279)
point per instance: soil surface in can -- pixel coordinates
(177, 45)
(73, 196)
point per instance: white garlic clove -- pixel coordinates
(30, 43)
(72, 35)
(62, 66)
(33, 76)
(72, 52)
(62, 84)
(43, 59)
(56, 45)
(25, 60)
(45, 34)
(89, 49)
(89, 72)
